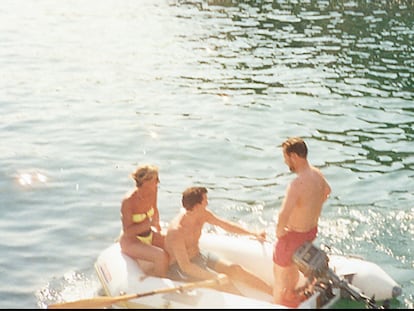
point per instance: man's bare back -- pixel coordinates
(183, 229)
(311, 191)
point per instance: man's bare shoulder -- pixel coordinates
(316, 170)
(175, 231)
(297, 183)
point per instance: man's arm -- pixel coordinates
(327, 190)
(232, 227)
(288, 204)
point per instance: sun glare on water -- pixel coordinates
(29, 179)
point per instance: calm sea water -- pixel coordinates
(206, 90)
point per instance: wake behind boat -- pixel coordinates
(344, 277)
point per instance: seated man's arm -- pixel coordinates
(232, 227)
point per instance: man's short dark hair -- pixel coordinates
(296, 145)
(192, 196)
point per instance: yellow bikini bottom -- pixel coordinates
(146, 237)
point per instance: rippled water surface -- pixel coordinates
(206, 90)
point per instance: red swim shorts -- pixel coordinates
(286, 246)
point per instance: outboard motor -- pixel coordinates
(313, 263)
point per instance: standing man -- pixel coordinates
(297, 219)
(187, 261)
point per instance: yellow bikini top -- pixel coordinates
(140, 217)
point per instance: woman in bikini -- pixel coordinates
(141, 236)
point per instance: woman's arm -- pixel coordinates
(130, 228)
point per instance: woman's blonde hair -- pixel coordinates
(143, 173)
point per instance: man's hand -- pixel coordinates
(222, 279)
(280, 231)
(261, 236)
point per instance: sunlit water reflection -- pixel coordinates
(207, 90)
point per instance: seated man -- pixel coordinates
(187, 261)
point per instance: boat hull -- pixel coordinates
(367, 276)
(119, 274)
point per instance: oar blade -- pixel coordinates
(97, 302)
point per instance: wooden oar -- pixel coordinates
(104, 301)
